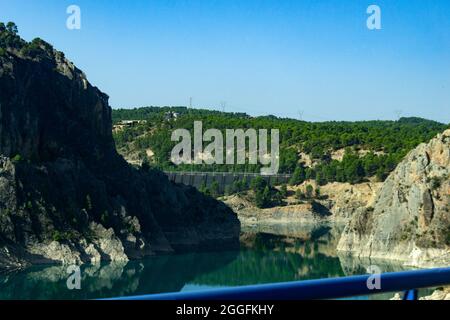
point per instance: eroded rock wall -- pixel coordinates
(410, 219)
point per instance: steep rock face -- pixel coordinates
(410, 220)
(346, 198)
(64, 188)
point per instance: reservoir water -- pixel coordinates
(267, 255)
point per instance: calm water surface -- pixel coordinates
(267, 255)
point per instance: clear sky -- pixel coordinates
(260, 56)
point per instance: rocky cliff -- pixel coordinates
(410, 218)
(65, 193)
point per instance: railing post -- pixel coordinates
(410, 295)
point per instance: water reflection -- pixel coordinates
(266, 256)
(152, 275)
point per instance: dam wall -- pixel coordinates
(224, 179)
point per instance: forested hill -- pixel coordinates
(325, 151)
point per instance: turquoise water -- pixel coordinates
(266, 256)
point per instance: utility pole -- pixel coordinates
(192, 162)
(223, 105)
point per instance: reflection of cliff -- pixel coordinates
(171, 273)
(322, 238)
(265, 257)
(152, 275)
(355, 266)
(271, 258)
(306, 253)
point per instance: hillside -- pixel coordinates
(66, 195)
(325, 151)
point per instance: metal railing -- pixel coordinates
(335, 288)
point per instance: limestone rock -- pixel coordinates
(109, 246)
(57, 252)
(438, 295)
(410, 218)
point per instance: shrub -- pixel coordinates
(300, 195)
(309, 191)
(17, 158)
(263, 199)
(436, 183)
(283, 191)
(64, 236)
(215, 190)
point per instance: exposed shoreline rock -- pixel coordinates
(437, 295)
(410, 219)
(340, 201)
(249, 214)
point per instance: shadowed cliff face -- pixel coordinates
(65, 193)
(49, 110)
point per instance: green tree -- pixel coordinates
(320, 179)
(300, 195)
(204, 189)
(298, 177)
(318, 192)
(288, 160)
(12, 28)
(214, 189)
(309, 191)
(263, 199)
(283, 191)
(17, 158)
(258, 184)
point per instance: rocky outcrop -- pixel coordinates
(437, 295)
(410, 218)
(338, 203)
(65, 193)
(249, 214)
(348, 198)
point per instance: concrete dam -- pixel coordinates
(224, 179)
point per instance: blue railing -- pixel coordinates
(345, 287)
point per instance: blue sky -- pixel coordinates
(260, 56)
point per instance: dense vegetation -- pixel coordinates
(10, 40)
(369, 148)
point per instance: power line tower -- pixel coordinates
(300, 114)
(192, 161)
(398, 113)
(223, 105)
